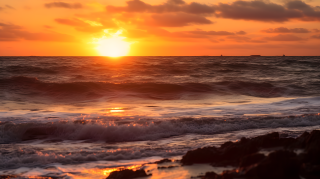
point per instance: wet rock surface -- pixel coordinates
(163, 161)
(251, 159)
(127, 174)
(168, 167)
(282, 163)
(8, 176)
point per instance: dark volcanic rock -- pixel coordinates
(202, 155)
(163, 161)
(225, 175)
(310, 171)
(210, 175)
(127, 174)
(230, 153)
(168, 167)
(281, 164)
(278, 165)
(312, 148)
(229, 174)
(313, 140)
(266, 141)
(251, 159)
(8, 176)
(301, 141)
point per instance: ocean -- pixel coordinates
(83, 117)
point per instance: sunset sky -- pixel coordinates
(159, 27)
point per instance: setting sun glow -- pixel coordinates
(113, 45)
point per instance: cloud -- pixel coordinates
(70, 22)
(168, 7)
(10, 32)
(316, 30)
(210, 33)
(198, 34)
(195, 34)
(286, 30)
(284, 37)
(239, 38)
(84, 25)
(9, 7)
(256, 10)
(176, 20)
(6, 7)
(136, 33)
(241, 33)
(48, 27)
(315, 36)
(267, 11)
(63, 5)
(310, 13)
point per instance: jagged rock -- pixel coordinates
(168, 167)
(281, 164)
(278, 165)
(8, 176)
(127, 174)
(210, 175)
(202, 155)
(229, 174)
(163, 161)
(230, 153)
(310, 171)
(313, 141)
(301, 141)
(251, 159)
(266, 141)
(312, 148)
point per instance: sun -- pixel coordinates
(112, 45)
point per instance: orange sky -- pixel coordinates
(157, 27)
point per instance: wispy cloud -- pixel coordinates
(284, 37)
(316, 36)
(286, 30)
(11, 32)
(6, 7)
(63, 5)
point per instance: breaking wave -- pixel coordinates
(147, 130)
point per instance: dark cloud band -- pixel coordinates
(245, 10)
(286, 30)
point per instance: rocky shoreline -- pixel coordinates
(288, 158)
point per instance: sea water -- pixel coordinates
(82, 117)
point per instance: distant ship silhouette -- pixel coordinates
(283, 55)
